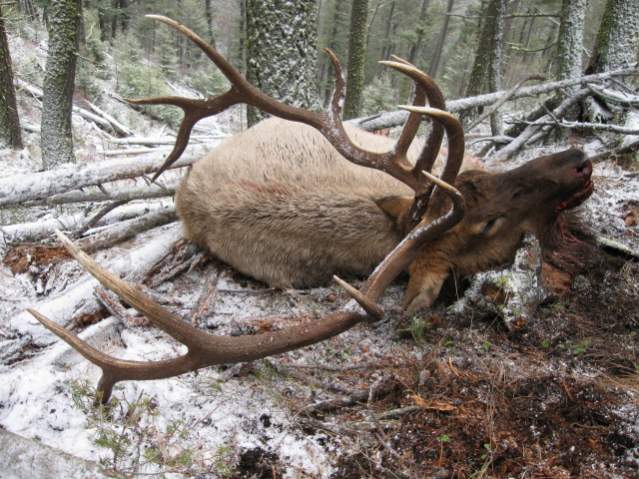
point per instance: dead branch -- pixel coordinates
(206, 300)
(626, 99)
(181, 258)
(507, 96)
(395, 118)
(618, 151)
(43, 228)
(115, 307)
(78, 299)
(540, 126)
(15, 190)
(127, 229)
(91, 222)
(120, 194)
(100, 118)
(577, 125)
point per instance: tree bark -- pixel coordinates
(415, 48)
(479, 73)
(436, 60)
(496, 59)
(59, 79)
(617, 43)
(281, 51)
(356, 58)
(387, 49)
(571, 39)
(10, 134)
(208, 11)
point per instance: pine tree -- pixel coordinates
(282, 51)
(356, 58)
(571, 39)
(9, 121)
(618, 38)
(59, 80)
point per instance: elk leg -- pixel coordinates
(427, 275)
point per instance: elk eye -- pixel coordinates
(517, 194)
(491, 226)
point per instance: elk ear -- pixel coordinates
(395, 206)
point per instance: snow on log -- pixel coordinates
(79, 299)
(18, 189)
(43, 228)
(145, 192)
(395, 118)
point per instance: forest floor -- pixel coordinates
(506, 378)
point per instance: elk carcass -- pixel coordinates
(292, 205)
(280, 204)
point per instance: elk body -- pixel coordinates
(292, 205)
(280, 204)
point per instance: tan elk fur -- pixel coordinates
(280, 204)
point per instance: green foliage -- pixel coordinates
(138, 79)
(418, 328)
(133, 435)
(378, 96)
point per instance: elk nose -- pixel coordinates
(584, 169)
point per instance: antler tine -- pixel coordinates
(194, 110)
(411, 126)
(113, 369)
(455, 133)
(203, 349)
(435, 99)
(337, 101)
(402, 255)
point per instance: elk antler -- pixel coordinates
(205, 349)
(329, 124)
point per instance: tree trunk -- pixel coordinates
(356, 58)
(618, 38)
(59, 78)
(571, 39)
(281, 51)
(478, 80)
(9, 121)
(415, 47)
(102, 23)
(387, 49)
(437, 55)
(496, 59)
(209, 22)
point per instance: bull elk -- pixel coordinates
(281, 204)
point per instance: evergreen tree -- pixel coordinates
(618, 38)
(9, 121)
(571, 39)
(356, 58)
(282, 51)
(59, 80)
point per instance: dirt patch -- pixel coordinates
(22, 258)
(257, 463)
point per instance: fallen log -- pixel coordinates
(79, 299)
(15, 190)
(43, 228)
(145, 192)
(540, 126)
(100, 118)
(395, 118)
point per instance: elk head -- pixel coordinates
(501, 209)
(423, 224)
